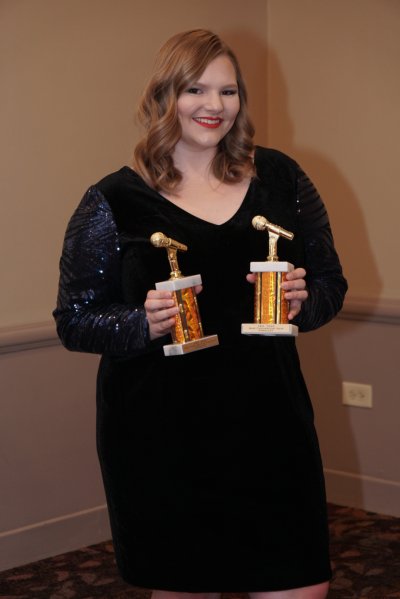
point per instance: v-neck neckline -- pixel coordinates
(189, 214)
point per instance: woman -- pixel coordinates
(210, 460)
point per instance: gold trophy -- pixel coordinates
(187, 333)
(270, 307)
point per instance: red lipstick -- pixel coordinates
(208, 122)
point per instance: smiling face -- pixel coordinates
(208, 108)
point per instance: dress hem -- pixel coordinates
(237, 588)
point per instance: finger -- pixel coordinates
(294, 309)
(152, 306)
(161, 322)
(159, 316)
(296, 294)
(155, 294)
(296, 300)
(297, 273)
(158, 293)
(157, 300)
(160, 310)
(295, 284)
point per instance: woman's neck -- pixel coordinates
(194, 164)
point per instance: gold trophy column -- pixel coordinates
(187, 333)
(270, 307)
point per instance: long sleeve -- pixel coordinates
(325, 281)
(90, 315)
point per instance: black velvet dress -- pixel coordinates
(210, 460)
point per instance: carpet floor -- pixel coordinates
(365, 552)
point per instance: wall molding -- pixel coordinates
(28, 336)
(52, 537)
(361, 491)
(43, 334)
(371, 309)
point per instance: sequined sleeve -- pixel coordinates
(325, 282)
(90, 315)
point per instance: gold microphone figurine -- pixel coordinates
(187, 333)
(270, 307)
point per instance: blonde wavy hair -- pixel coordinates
(179, 64)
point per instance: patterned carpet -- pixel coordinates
(365, 550)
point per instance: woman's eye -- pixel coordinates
(194, 90)
(229, 92)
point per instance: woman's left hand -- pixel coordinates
(295, 290)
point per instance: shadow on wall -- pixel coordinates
(251, 52)
(344, 207)
(319, 349)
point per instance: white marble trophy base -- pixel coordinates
(179, 349)
(271, 329)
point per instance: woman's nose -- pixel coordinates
(214, 102)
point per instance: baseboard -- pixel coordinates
(52, 537)
(364, 492)
(67, 533)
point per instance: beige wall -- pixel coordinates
(324, 87)
(71, 73)
(333, 104)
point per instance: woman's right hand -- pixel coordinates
(160, 312)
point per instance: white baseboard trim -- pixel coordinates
(87, 527)
(365, 492)
(53, 537)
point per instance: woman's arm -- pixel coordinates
(90, 315)
(326, 285)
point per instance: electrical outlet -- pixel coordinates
(356, 394)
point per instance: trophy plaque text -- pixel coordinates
(187, 333)
(270, 307)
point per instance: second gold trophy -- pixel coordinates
(187, 333)
(270, 306)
